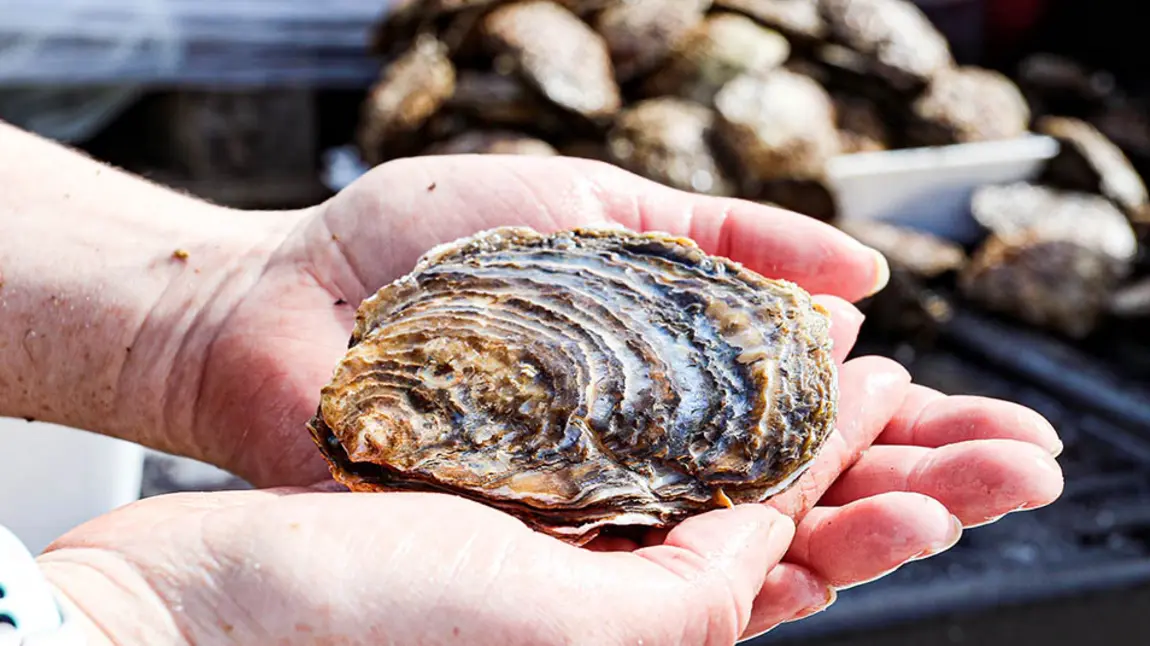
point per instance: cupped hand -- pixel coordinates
(862, 510)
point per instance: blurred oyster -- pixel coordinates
(492, 142)
(640, 35)
(557, 53)
(503, 100)
(900, 43)
(812, 197)
(1091, 163)
(797, 19)
(1132, 301)
(581, 380)
(860, 123)
(969, 104)
(1052, 258)
(412, 90)
(725, 46)
(908, 305)
(780, 125)
(666, 140)
(409, 19)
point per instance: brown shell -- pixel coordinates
(667, 140)
(411, 92)
(1089, 162)
(725, 46)
(900, 43)
(969, 104)
(861, 124)
(1052, 258)
(640, 35)
(797, 19)
(557, 53)
(581, 380)
(504, 100)
(779, 125)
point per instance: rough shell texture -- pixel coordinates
(1052, 258)
(411, 91)
(581, 380)
(492, 142)
(778, 126)
(798, 19)
(667, 140)
(725, 46)
(901, 44)
(1089, 162)
(969, 104)
(557, 53)
(640, 35)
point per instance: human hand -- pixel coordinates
(979, 458)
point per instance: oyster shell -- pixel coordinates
(779, 125)
(860, 123)
(969, 104)
(411, 91)
(492, 142)
(725, 46)
(900, 43)
(557, 53)
(640, 35)
(503, 100)
(1052, 258)
(797, 19)
(916, 252)
(1089, 162)
(581, 380)
(667, 140)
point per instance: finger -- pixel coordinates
(870, 391)
(928, 418)
(772, 241)
(789, 593)
(726, 554)
(846, 320)
(978, 481)
(872, 537)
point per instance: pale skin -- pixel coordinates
(218, 352)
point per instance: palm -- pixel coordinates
(279, 345)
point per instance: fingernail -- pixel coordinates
(1057, 450)
(814, 609)
(882, 272)
(952, 538)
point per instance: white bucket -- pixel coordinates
(54, 478)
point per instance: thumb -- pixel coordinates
(725, 556)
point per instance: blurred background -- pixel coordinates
(994, 149)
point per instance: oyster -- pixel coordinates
(780, 125)
(799, 20)
(411, 92)
(640, 35)
(492, 142)
(812, 197)
(581, 380)
(725, 46)
(900, 44)
(1052, 258)
(557, 53)
(667, 140)
(969, 104)
(503, 100)
(909, 306)
(860, 123)
(1089, 162)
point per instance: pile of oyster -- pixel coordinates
(581, 380)
(746, 98)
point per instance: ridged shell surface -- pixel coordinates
(582, 379)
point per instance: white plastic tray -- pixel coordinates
(54, 478)
(930, 188)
